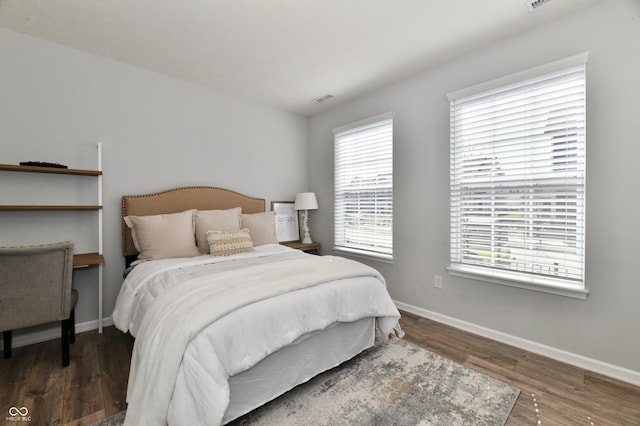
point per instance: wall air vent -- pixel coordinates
(321, 99)
(534, 5)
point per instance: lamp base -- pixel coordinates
(306, 233)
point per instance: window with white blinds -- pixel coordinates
(518, 178)
(364, 187)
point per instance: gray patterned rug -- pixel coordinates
(394, 384)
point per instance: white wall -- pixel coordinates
(605, 326)
(157, 132)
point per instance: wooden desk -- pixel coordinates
(83, 260)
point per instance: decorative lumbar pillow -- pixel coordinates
(226, 243)
(163, 236)
(262, 227)
(218, 220)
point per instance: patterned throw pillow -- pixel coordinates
(226, 243)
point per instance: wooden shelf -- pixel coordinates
(51, 170)
(81, 260)
(48, 207)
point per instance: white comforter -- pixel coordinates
(196, 391)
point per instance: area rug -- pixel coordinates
(397, 383)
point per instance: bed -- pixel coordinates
(225, 318)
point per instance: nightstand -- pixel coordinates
(313, 248)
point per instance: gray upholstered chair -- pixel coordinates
(35, 288)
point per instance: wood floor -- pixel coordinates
(565, 395)
(91, 388)
(94, 385)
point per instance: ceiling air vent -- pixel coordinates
(534, 5)
(321, 99)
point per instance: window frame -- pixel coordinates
(385, 253)
(575, 288)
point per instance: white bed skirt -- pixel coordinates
(296, 364)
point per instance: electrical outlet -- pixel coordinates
(437, 281)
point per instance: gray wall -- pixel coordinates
(157, 132)
(605, 326)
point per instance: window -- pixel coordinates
(364, 187)
(518, 179)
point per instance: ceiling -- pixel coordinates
(282, 53)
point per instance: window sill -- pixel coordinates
(541, 284)
(362, 254)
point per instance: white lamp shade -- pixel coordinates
(306, 201)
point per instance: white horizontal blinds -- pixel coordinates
(518, 177)
(364, 186)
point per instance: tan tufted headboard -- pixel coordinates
(180, 199)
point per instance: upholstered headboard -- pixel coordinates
(180, 199)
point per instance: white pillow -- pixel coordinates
(262, 227)
(216, 220)
(163, 236)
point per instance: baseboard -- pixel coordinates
(53, 333)
(580, 361)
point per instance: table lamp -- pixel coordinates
(306, 201)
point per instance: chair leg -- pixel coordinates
(72, 331)
(6, 338)
(65, 342)
(68, 327)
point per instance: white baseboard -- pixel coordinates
(52, 333)
(580, 361)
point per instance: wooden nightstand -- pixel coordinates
(313, 248)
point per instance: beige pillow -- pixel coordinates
(223, 243)
(215, 220)
(164, 236)
(262, 227)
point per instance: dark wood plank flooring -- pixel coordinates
(562, 394)
(90, 389)
(94, 385)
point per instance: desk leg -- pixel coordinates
(100, 298)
